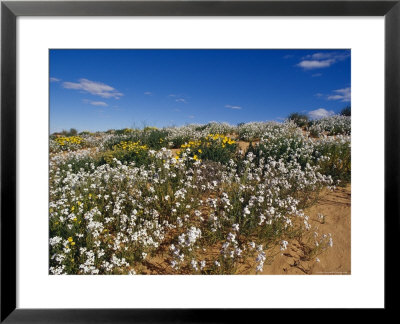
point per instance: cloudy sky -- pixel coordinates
(104, 89)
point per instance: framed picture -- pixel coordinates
(191, 140)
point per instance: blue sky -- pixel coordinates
(110, 89)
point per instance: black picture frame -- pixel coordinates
(10, 10)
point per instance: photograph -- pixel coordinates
(199, 162)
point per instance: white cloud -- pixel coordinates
(52, 79)
(320, 56)
(98, 103)
(95, 103)
(320, 113)
(148, 93)
(233, 107)
(343, 95)
(322, 60)
(314, 64)
(94, 88)
(328, 55)
(181, 100)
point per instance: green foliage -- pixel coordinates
(122, 156)
(346, 111)
(338, 166)
(299, 119)
(218, 153)
(153, 138)
(178, 141)
(213, 147)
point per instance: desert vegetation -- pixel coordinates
(195, 199)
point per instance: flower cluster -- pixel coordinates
(130, 146)
(66, 143)
(334, 125)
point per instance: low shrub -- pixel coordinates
(299, 119)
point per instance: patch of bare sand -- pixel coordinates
(335, 206)
(175, 152)
(244, 145)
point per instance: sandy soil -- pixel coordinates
(175, 151)
(244, 145)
